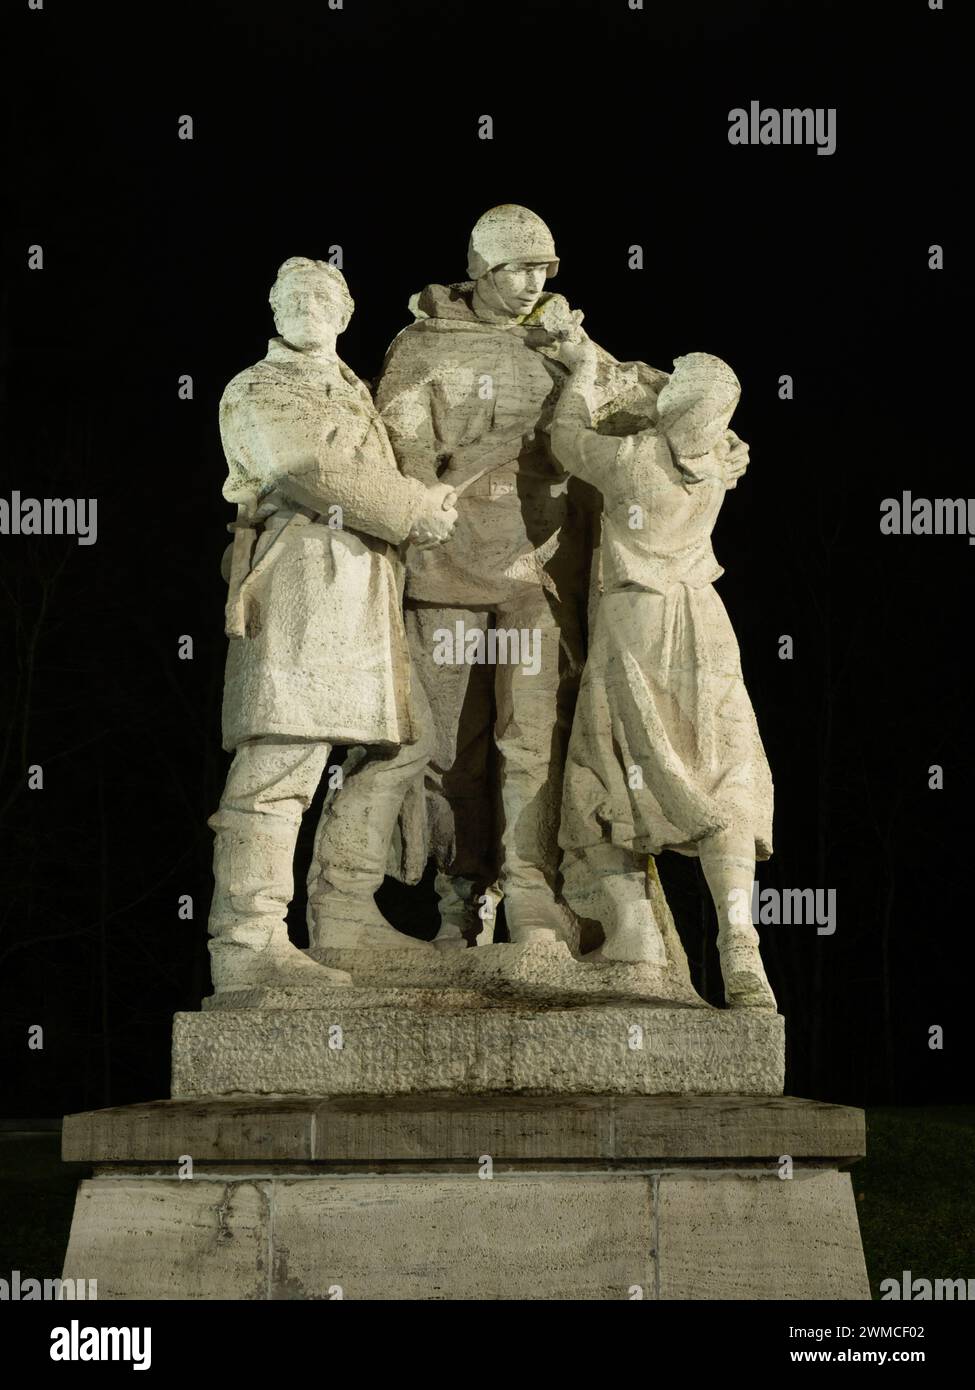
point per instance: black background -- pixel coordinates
(358, 127)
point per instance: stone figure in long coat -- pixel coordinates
(665, 751)
(318, 652)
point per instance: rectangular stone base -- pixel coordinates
(448, 1197)
(365, 1049)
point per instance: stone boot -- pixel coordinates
(278, 965)
(349, 861)
(534, 915)
(610, 885)
(364, 928)
(634, 936)
(746, 985)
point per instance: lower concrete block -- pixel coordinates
(747, 1236)
(468, 1198)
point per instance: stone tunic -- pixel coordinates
(324, 653)
(665, 748)
(456, 392)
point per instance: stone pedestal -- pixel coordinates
(490, 1197)
(495, 1020)
(352, 1048)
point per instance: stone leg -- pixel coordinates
(460, 779)
(459, 903)
(270, 785)
(518, 722)
(728, 861)
(609, 883)
(352, 845)
(531, 732)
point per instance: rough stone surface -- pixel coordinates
(317, 653)
(759, 1237)
(487, 976)
(377, 1119)
(663, 695)
(537, 1236)
(450, 1128)
(451, 1197)
(463, 1237)
(477, 508)
(400, 1049)
(526, 1236)
(171, 1239)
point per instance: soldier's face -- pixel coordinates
(519, 285)
(311, 315)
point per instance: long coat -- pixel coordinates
(468, 401)
(458, 393)
(663, 690)
(322, 653)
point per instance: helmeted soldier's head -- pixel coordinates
(311, 303)
(510, 256)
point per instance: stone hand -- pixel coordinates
(735, 459)
(552, 322)
(578, 354)
(437, 516)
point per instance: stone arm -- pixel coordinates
(342, 459)
(577, 446)
(405, 400)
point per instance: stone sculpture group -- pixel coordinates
(511, 490)
(472, 617)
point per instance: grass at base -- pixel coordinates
(37, 1194)
(915, 1195)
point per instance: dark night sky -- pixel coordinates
(358, 127)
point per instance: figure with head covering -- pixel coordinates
(466, 394)
(665, 751)
(318, 653)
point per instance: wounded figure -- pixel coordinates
(665, 751)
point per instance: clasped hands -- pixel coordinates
(436, 518)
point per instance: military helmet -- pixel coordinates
(509, 233)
